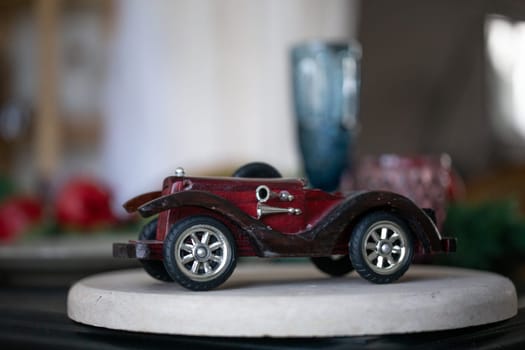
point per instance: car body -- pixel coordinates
(204, 223)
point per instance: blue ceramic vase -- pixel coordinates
(325, 90)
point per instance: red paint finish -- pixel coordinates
(318, 203)
(322, 228)
(241, 192)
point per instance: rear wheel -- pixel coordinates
(335, 265)
(381, 247)
(154, 268)
(257, 170)
(200, 253)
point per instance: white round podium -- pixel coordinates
(294, 300)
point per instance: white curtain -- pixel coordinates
(205, 84)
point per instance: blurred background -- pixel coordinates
(109, 97)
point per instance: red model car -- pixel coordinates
(205, 223)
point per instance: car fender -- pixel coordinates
(354, 207)
(206, 200)
(134, 203)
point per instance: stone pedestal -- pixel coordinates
(294, 300)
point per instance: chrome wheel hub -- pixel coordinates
(202, 252)
(385, 247)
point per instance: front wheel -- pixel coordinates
(381, 247)
(335, 265)
(200, 253)
(154, 268)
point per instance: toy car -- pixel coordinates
(205, 223)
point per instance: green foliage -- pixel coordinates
(490, 235)
(6, 187)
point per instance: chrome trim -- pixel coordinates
(285, 196)
(179, 172)
(263, 209)
(264, 196)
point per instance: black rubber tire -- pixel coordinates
(357, 241)
(170, 261)
(154, 268)
(336, 266)
(257, 170)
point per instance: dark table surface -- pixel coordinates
(36, 318)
